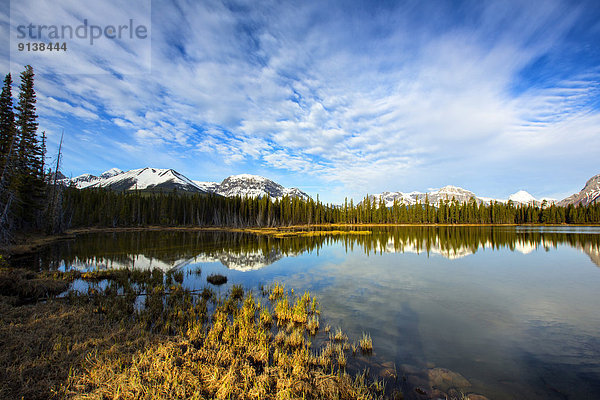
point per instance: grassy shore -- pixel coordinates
(178, 344)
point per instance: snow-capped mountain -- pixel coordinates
(251, 186)
(433, 197)
(210, 187)
(459, 194)
(148, 179)
(448, 193)
(82, 180)
(590, 194)
(110, 173)
(523, 197)
(156, 179)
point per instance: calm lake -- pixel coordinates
(513, 310)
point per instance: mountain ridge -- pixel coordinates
(247, 185)
(590, 194)
(450, 193)
(159, 179)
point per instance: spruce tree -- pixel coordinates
(30, 154)
(8, 153)
(7, 124)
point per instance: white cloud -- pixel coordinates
(369, 103)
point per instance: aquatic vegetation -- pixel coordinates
(339, 336)
(234, 356)
(216, 279)
(276, 291)
(366, 344)
(237, 292)
(312, 326)
(266, 318)
(208, 294)
(170, 347)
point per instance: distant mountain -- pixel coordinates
(146, 179)
(523, 197)
(110, 173)
(590, 194)
(156, 179)
(251, 186)
(433, 197)
(453, 192)
(210, 187)
(448, 193)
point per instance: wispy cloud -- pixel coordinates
(363, 97)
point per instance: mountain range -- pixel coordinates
(156, 179)
(453, 192)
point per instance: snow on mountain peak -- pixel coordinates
(522, 197)
(209, 187)
(110, 173)
(255, 186)
(247, 177)
(451, 189)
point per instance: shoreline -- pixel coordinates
(28, 243)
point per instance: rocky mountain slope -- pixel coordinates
(449, 193)
(251, 186)
(146, 179)
(156, 179)
(590, 194)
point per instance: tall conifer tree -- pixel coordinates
(30, 155)
(8, 140)
(7, 124)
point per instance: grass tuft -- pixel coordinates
(366, 344)
(216, 279)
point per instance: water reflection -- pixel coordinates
(512, 310)
(246, 252)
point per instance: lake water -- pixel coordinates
(514, 310)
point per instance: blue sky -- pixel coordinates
(337, 98)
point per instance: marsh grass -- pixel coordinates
(366, 343)
(339, 336)
(99, 344)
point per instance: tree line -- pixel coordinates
(103, 207)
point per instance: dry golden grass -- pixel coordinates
(234, 357)
(43, 343)
(97, 346)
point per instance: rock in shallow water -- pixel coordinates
(445, 379)
(474, 396)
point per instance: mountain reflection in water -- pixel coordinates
(513, 310)
(245, 252)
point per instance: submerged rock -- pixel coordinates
(474, 396)
(445, 379)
